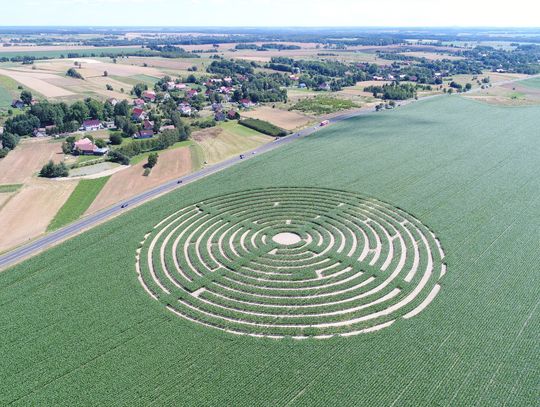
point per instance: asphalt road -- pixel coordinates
(43, 243)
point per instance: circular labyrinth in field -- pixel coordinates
(298, 262)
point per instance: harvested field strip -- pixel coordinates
(78, 202)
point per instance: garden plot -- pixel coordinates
(297, 262)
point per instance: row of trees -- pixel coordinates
(63, 117)
(393, 91)
(163, 141)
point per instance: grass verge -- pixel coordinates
(78, 202)
(10, 187)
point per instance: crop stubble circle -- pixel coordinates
(356, 264)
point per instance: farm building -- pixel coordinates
(18, 104)
(138, 114)
(167, 127)
(233, 115)
(91, 125)
(101, 151)
(185, 109)
(247, 103)
(144, 134)
(324, 86)
(41, 132)
(84, 146)
(109, 125)
(149, 96)
(148, 124)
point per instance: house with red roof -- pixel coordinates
(92, 125)
(138, 102)
(84, 146)
(247, 103)
(185, 109)
(138, 114)
(192, 93)
(148, 124)
(149, 96)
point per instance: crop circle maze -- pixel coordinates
(296, 262)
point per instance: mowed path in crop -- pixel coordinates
(77, 328)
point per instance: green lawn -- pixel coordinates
(79, 201)
(77, 328)
(323, 104)
(10, 187)
(235, 128)
(141, 157)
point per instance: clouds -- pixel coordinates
(269, 13)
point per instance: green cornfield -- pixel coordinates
(77, 327)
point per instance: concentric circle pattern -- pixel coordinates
(298, 262)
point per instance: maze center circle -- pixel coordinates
(297, 262)
(287, 238)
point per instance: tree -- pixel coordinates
(73, 73)
(118, 157)
(95, 109)
(115, 139)
(21, 125)
(105, 73)
(121, 108)
(108, 110)
(52, 170)
(78, 111)
(468, 86)
(26, 97)
(139, 88)
(100, 143)
(68, 145)
(109, 87)
(152, 160)
(9, 141)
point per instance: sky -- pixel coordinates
(266, 13)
